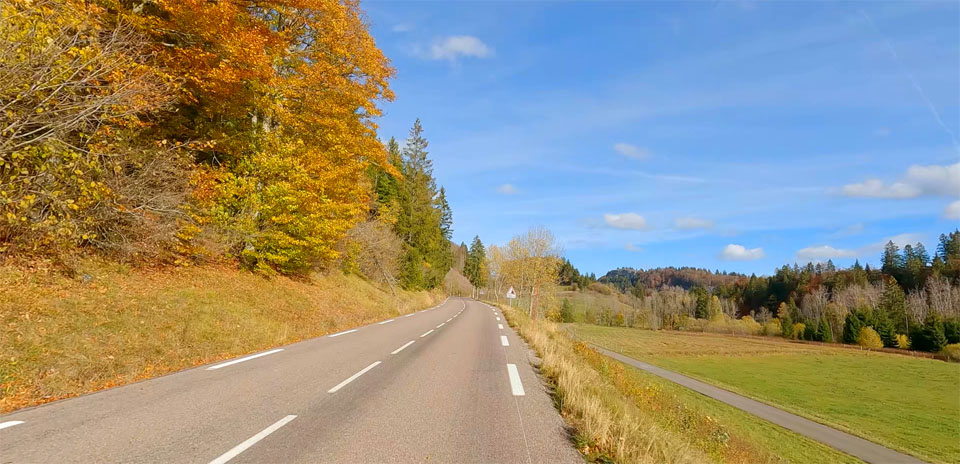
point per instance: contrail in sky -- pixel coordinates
(913, 81)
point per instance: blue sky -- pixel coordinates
(729, 135)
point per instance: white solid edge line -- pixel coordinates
(6, 424)
(500, 326)
(385, 322)
(441, 325)
(427, 333)
(411, 314)
(235, 361)
(448, 320)
(236, 450)
(503, 340)
(353, 377)
(342, 333)
(516, 387)
(402, 347)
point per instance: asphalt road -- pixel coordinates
(852, 445)
(449, 384)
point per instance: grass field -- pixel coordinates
(62, 337)
(909, 404)
(624, 415)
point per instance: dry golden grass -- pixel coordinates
(621, 415)
(111, 325)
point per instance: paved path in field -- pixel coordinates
(449, 384)
(852, 445)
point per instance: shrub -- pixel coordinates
(810, 332)
(869, 338)
(798, 329)
(903, 342)
(772, 327)
(952, 351)
(600, 288)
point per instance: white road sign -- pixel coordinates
(511, 294)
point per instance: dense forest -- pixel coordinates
(193, 131)
(911, 300)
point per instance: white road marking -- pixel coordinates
(427, 333)
(448, 320)
(385, 322)
(235, 361)
(498, 318)
(236, 450)
(353, 377)
(503, 340)
(402, 347)
(515, 385)
(441, 324)
(6, 424)
(342, 333)
(500, 326)
(411, 314)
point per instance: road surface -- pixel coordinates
(852, 445)
(449, 384)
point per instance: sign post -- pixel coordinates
(511, 295)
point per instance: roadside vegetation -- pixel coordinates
(906, 403)
(623, 415)
(113, 324)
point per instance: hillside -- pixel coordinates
(111, 325)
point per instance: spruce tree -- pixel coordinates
(826, 334)
(851, 327)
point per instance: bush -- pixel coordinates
(903, 342)
(810, 332)
(772, 327)
(869, 338)
(952, 351)
(855, 321)
(887, 333)
(798, 330)
(600, 288)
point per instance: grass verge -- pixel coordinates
(62, 337)
(624, 415)
(905, 403)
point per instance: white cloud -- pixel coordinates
(819, 253)
(823, 252)
(453, 47)
(932, 180)
(631, 151)
(402, 27)
(507, 189)
(633, 248)
(733, 252)
(952, 211)
(632, 221)
(687, 223)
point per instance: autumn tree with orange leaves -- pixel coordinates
(272, 102)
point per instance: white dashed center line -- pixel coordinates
(235, 361)
(427, 333)
(6, 424)
(500, 326)
(236, 450)
(342, 333)
(353, 377)
(441, 324)
(402, 347)
(516, 387)
(498, 318)
(503, 340)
